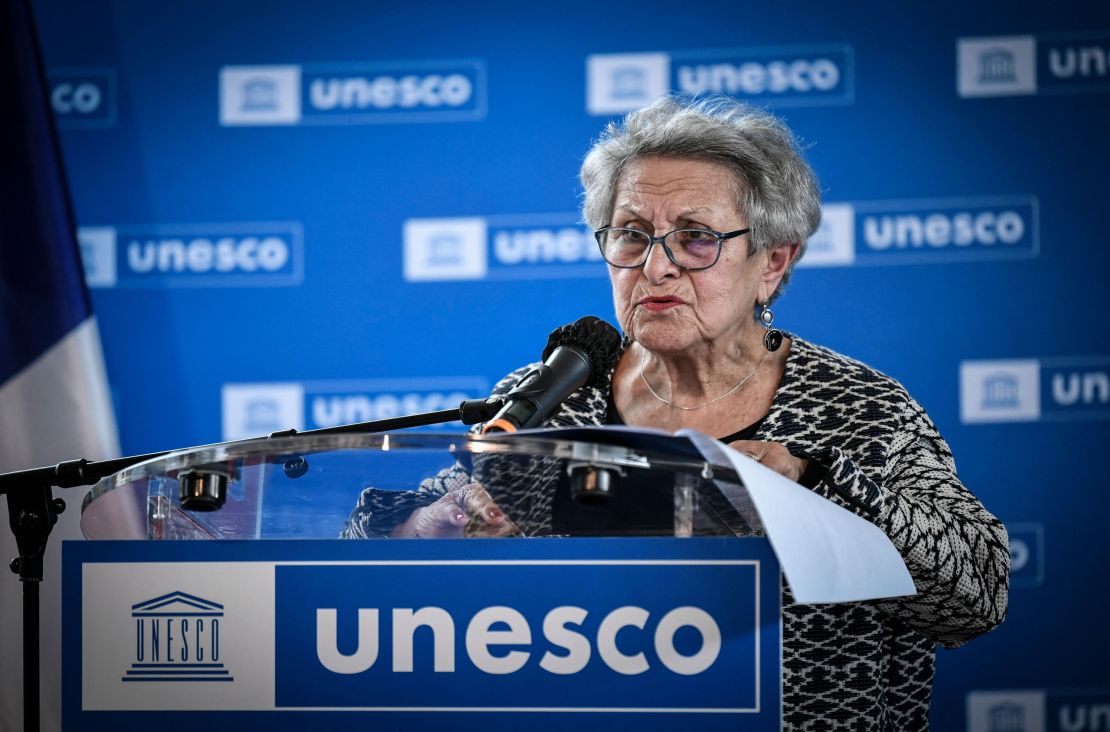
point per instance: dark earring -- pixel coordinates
(772, 339)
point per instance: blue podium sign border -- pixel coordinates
(335, 554)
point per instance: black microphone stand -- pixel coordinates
(33, 510)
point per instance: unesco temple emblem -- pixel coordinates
(997, 66)
(1001, 391)
(177, 638)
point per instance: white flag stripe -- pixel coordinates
(58, 408)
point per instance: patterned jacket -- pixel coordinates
(868, 665)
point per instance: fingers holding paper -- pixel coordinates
(773, 455)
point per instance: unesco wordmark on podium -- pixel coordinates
(665, 631)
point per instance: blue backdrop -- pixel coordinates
(301, 214)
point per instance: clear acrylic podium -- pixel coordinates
(306, 487)
(576, 583)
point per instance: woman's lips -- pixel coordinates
(659, 304)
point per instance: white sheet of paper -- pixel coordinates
(827, 553)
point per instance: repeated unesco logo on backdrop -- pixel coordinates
(795, 75)
(526, 246)
(1043, 63)
(1028, 390)
(354, 93)
(1038, 710)
(83, 97)
(256, 409)
(550, 246)
(924, 231)
(237, 254)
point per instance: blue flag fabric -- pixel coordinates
(54, 398)
(42, 289)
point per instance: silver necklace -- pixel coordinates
(643, 363)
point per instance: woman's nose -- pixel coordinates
(658, 265)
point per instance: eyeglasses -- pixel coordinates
(689, 249)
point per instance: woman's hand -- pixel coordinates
(774, 455)
(468, 511)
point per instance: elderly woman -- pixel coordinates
(701, 211)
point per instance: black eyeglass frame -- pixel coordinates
(720, 236)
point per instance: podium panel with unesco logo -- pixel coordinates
(481, 583)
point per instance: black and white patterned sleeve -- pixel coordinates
(956, 551)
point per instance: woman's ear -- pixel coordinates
(778, 263)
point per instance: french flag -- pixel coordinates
(54, 399)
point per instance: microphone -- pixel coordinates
(583, 352)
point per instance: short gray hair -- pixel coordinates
(777, 190)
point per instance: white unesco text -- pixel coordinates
(481, 635)
(1084, 717)
(1084, 62)
(536, 246)
(81, 98)
(912, 231)
(337, 409)
(200, 255)
(752, 77)
(1088, 387)
(387, 92)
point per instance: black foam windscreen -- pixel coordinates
(597, 339)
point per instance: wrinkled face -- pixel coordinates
(666, 309)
